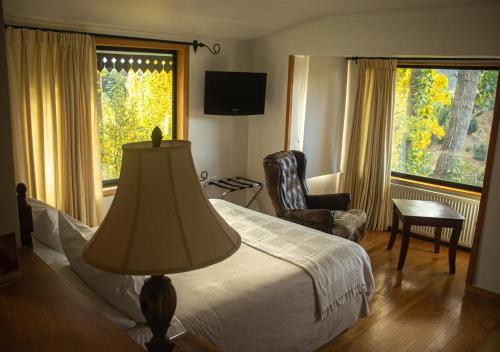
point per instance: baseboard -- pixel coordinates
(482, 292)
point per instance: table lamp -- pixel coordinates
(160, 222)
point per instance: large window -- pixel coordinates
(442, 124)
(136, 92)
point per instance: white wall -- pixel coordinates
(324, 117)
(219, 142)
(469, 32)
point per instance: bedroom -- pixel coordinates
(252, 40)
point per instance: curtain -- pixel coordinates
(299, 100)
(350, 101)
(53, 95)
(367, 173)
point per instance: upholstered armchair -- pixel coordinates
(331, 213)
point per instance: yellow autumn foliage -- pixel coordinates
(413, 134)
(131, 104)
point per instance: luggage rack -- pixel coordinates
(236, 184)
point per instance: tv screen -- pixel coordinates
(234, 93)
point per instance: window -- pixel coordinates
(442, 124)
(142, 84)
(136, 93)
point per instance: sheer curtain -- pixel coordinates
(367, 169)
(53, 95)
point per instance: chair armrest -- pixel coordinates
(320, 219)
(337, 201)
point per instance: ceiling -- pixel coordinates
(231, 19)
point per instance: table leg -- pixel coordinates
(437, 238)
(452, 253)
(405, 241)
(394, 228)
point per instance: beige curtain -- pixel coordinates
(368, 170)
(53, 95)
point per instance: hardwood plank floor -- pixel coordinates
(423, 307)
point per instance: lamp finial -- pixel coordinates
(156, 137)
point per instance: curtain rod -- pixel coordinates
(214, 50)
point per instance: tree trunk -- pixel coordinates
(412, 94)
(411, 110)
(458, 124)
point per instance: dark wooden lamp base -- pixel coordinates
(158, 302)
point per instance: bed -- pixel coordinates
(257, 299)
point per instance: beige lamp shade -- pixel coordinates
(160, 221)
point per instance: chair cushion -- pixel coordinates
(319, 219)
(349, 224)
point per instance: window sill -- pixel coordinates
(109, 191)
(434, 187)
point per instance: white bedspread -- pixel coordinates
(253, 301)
(340, 269)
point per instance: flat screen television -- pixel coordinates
(234, 93)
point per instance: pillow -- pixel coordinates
(45, 224)
(52, 257)
(120, 291)
(118, 318)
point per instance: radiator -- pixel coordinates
(466, 206)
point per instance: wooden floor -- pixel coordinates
(422, 308)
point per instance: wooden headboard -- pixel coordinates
(25, 216)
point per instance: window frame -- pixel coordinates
(453, 65)
(437, 182)
(181, 83)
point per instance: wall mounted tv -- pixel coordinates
(234, 93)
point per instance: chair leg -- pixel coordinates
(437, 238)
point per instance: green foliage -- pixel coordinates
(425, 94)
(422, 109)
(480, 152)
(465, 172)
(417, 162)
(443, 114)
(460, 171)
(131, 105)
(485, 98)
(474, 125)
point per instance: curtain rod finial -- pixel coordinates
(214, 50)
(196, 44)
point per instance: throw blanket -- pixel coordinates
(339, 268)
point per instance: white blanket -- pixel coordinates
(340, 269)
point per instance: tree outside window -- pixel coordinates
(136, 93)
(442, 123)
